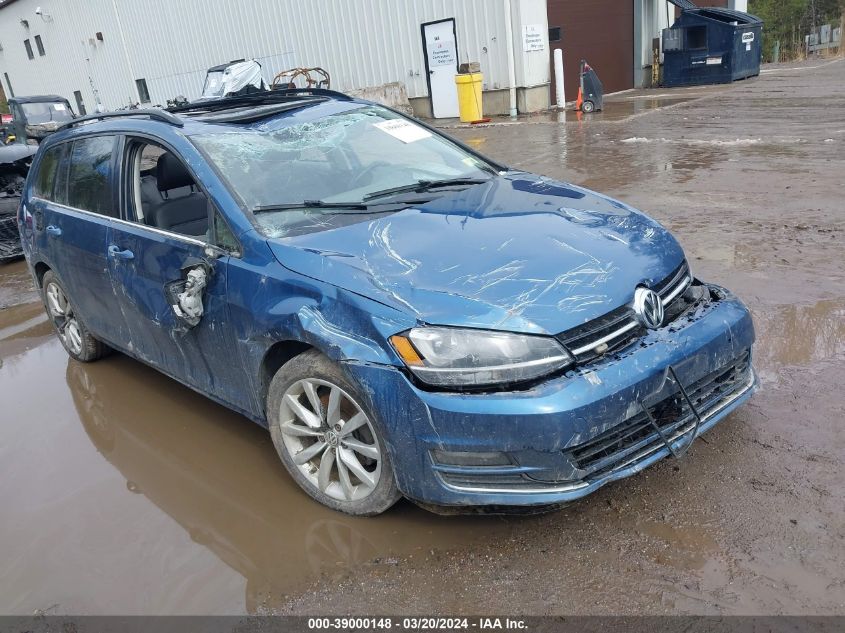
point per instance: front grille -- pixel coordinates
(605, 452)
(620, 327)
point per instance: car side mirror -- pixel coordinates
(186, 295)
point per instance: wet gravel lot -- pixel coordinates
(123, 492)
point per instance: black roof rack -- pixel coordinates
(263, 97)
(319, 92)
(254, 112)
(152, 113)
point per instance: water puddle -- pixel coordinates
(15, 285)
(164, 501)
(22, 327)
(686, 547)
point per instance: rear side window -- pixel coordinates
(89, 179)
(45, 181)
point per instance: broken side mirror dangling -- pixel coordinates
(185, 295)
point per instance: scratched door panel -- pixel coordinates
(198, 355)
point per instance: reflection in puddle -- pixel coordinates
(792, 335)
(15, 285)
(218, 476)
(22, 327)
(614, 111)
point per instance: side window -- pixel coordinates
(223, 236)
(164, 193)
(45, 180)
(60, 188)
(90, 175)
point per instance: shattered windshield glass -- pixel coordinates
(348, 158)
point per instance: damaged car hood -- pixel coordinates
(519, 253)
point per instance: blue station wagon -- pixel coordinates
(405, 316)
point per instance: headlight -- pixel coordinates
(453, 357)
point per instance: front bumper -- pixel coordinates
(567, 437)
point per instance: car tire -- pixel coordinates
(75, 337)
(335, 451)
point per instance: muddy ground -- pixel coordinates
(123, 492)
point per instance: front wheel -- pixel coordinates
(327, 439)
(73, 334)
(588, 106)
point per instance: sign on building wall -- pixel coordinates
(532, 38)
(443, 52)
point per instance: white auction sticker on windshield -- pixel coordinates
(59, 106)
(405, 131)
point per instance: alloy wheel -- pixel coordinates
(61, 313)
(330, 439)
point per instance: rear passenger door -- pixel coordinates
(73, 205)
(162, 258)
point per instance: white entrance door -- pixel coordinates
(441, 53)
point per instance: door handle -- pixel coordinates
(116, 253)
(53, 230)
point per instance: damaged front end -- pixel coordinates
(37, 132)
(15, 161)
(611, 415)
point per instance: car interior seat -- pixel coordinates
(181, 208)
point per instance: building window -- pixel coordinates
(80, 105)
(9, 84)
(39, 45)
(554, 33)
(28, 47)
(143, 93)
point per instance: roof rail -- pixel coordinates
(152, 113)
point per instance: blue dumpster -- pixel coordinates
(709, 45)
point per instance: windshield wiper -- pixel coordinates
(311, 204)
(340, 207)
(421, 186)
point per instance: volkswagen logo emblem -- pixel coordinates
(648, 307)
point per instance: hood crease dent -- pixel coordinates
(518, 253)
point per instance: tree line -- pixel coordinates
(787, 22)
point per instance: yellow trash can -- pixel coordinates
(469, 96)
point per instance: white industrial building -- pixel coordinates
(111, 53)
(119, 52)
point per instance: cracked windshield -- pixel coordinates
(361, 161)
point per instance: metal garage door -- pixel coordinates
(600, 31)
